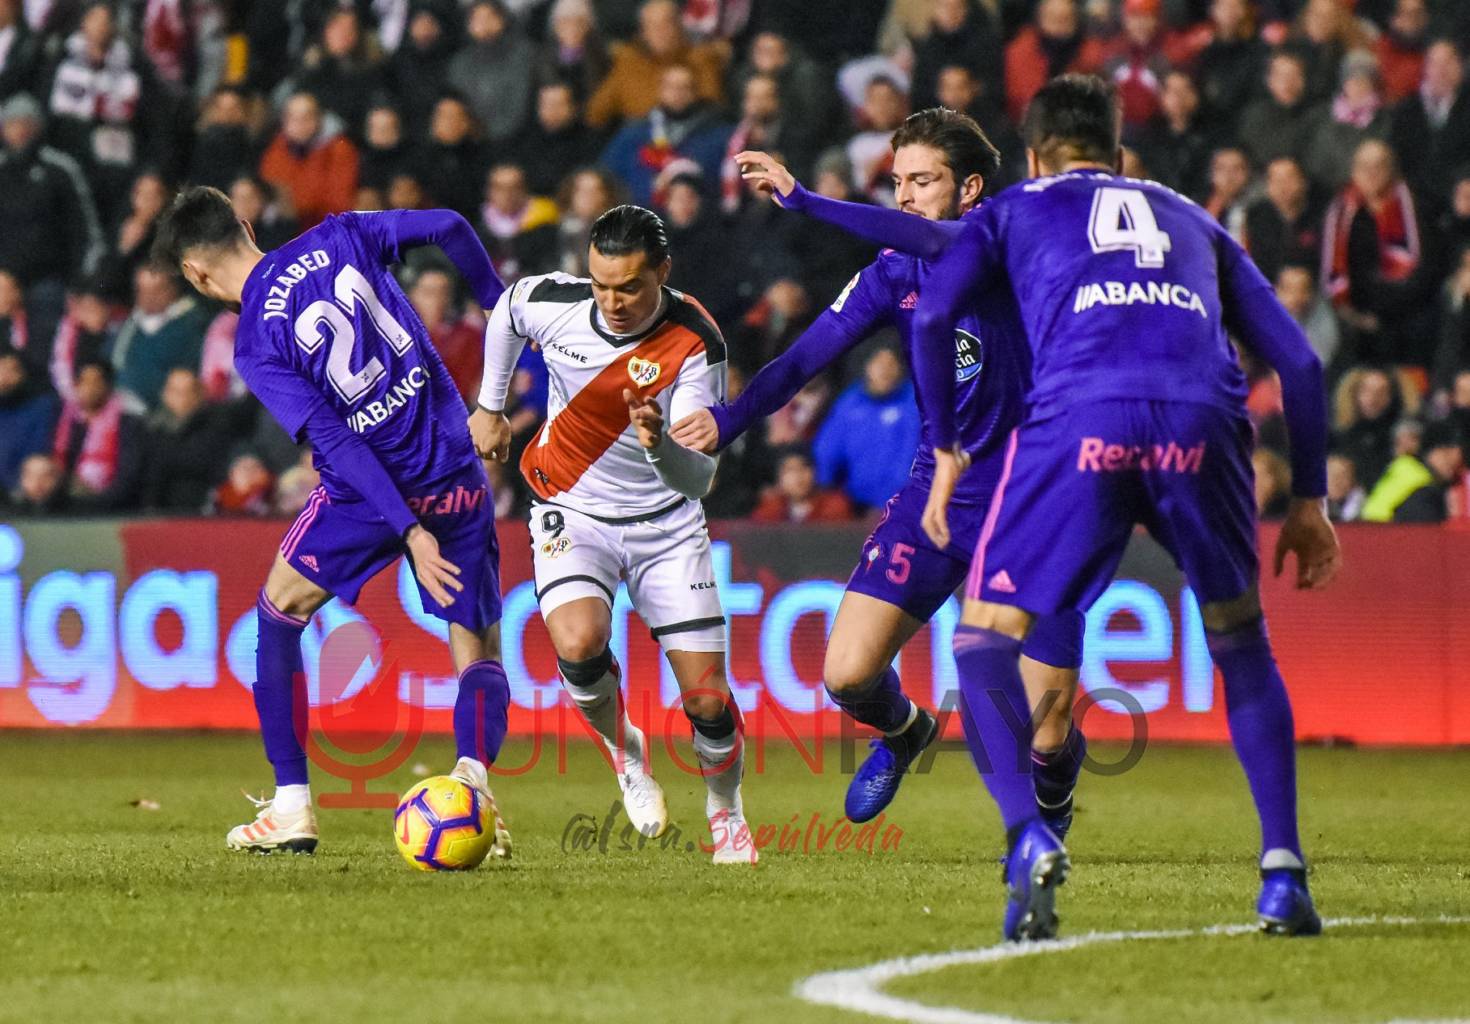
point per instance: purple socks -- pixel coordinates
(280, 691)
(997, 719)
(1261, 728)
(881, 704)
(1056, 771)
(480, 711)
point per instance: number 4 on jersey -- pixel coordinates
(1123, 220)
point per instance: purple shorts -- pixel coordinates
(902, 567)
(339, 546)
(1076, 484)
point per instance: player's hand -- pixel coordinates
(949, 464)
(699, 431)
(490, 432)
(435, 573)
(645, 414)
(1309, 535)
(766, 173)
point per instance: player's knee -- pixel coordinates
(1228, 616)
(1054, 722)
(704, 705)
(580, 641)
(847, 671)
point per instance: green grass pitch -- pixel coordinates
(110, 912)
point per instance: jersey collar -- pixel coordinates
(666, 303)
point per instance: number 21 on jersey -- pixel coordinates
(329, 317)
(1123, 220)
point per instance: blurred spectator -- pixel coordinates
(453, 163)
(459, 340)
(421, 62)
(1400, 49)
(682, 127)
(311, 162)
(255, 201)
(795, 496)
(493, 70)
(1442, 496)
(573, 52)
(517, 228)
(1230, 180)
(1452, 354)
(217, 363)
(697, 242)
(224, 147)
(344, 70)
(866, 444)
(744, 466)
(635, 83)
(884, 108)
(247, 488)
(1431, 129)
(1326, 32)
(14, 324)
(27, 416)
(294, 488)
(132, 240)
(960, 33)
(1280, 123)
(1137, 64)
(1232, 64)
(960, 90)
(1296, 287)
(809, 102)
(556, 140)
(49, 227)
(1371, 249)
(39, 491)
(164, 331)
(1355, 114)
(1175, 147)
(86, 334)
(759, 248)
(1054, 44)
(1454, 223)
(798, 419)
(762, 126)
(1405, 474)
(1369, 402)
(103, 105)
(1284, 225)
(1273, 483)
(1345, 497)
(385, 152)
(21, 55)
(772, 324)
(99, 447)
(187, 443)
(585, 195)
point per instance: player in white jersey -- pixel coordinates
(616, 498)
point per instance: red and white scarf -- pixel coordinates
(97, 463)
(1398, 238)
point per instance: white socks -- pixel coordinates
(291, 799)
(724, 784)
(601, 705)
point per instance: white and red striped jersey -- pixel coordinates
(587, 454)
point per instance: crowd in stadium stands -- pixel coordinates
(1332, 138)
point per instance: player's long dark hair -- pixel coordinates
(963, 142)
(627, 229)
(1074, 118)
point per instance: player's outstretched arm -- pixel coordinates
(851, 318)
(906, 232)
(404, 229)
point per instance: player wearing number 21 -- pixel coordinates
(331, 346)
(616, 498)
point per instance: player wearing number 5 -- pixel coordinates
(618, 499)
(331, 346)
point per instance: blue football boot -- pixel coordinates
(1285, 906)
(875, 783)
(1037, 864)
(1058, 818)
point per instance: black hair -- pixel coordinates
(627, 229)
(99, 364)
(200, 218)
(1074, 118)
(964, 144)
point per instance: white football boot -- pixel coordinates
(473, 774)
(733, 841)
(272, 830)
(643, 797)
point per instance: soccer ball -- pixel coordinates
(443, 825)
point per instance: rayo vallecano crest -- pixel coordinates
(643, 372)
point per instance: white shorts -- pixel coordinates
(665, 560)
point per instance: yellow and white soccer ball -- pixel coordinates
(442, 824)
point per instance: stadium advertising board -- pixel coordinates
(151, 624)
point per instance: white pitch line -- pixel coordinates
(860, 988)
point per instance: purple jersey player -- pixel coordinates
(1136, 416)
(941, 159)
(331, 347)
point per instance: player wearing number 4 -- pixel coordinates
(331, 346)
(1136, 415)
(618, 499)
(941, 161)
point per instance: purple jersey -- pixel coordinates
(327, 338)
(1126, 290)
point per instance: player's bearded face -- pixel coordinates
(627, 290)
(924, 184)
